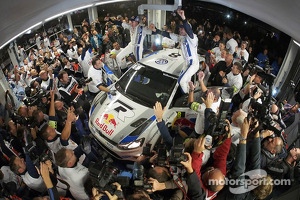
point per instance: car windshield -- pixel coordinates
(146, 85)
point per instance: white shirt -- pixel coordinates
(72, 53)
(235, 81)
(45, 84)
(9, 176)
(121, 62)
(75, 177)
(230, 45)
(56, 145)
(217, 53)
(36, 184)
(246, 54)
(97, 79)
(199, 124)
(235, 134)
(85, 63)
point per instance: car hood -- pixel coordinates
(118, 116)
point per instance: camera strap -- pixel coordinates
(180, 185)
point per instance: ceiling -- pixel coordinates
(17, 16)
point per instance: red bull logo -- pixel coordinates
(104, 127)
(110, 119)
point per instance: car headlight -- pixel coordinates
(132, 145)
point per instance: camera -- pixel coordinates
(138, 176)
(34, 98)
(47, 155)
(147, 150)
(19, 119)
(161, 155)
(82, 82)
(103, 174)
(177, 152)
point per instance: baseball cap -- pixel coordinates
(135, 18)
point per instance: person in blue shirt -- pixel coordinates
(276, 64)
(262, 58)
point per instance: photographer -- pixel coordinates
(193, 183)
(71, 92)
(271, 148)
(242, 165)
(55, 140)
(160, 183)
(218, 170)
(286, 169)
(249, 89)
(45, 173)
(118, 195)
(28, 173)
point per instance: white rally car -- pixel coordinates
(124, 123)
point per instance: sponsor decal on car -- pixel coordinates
(105, 125)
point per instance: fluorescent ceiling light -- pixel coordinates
(28, 29)
(68, 11)
(296, 43)
(105, 2)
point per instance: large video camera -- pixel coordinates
(261, 111)
(34, 97)
(103, 174)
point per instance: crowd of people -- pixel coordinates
(45, 143)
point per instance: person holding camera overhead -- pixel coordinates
(72, 92)
(213, 178)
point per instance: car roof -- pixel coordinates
(167, 60)
(17, 16)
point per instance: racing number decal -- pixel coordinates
(123, 110)
(178, 115)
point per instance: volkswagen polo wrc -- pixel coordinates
(125, 122)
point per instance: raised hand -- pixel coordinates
(181, 14)
(199, 145)
(191, 86)
(201, 76)
(158, 111)
(209, 100)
